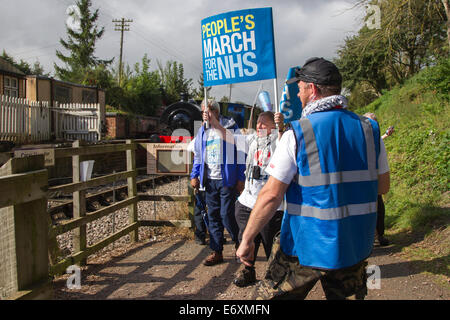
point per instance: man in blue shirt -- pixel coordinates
(221, 171)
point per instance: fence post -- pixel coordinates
(55, 116)
(132, 190)
(24, 232)
(99, 123)
(79, 205)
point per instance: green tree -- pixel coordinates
(99, 76)
(173, 82)
(140, 90)
(411, 36)
(447, 13)
(144, 87)
(414, 32)
(25, 67)
(38, 69)
(360, 60)
(81, 46)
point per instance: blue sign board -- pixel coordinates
(290, 104)
(238, 46)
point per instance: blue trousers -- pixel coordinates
(220, 201)
(200, 226)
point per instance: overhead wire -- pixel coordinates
(137, 30)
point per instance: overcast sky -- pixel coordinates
(170, 30)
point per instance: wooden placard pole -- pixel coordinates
(79, 205)
(132, 191)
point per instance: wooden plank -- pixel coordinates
(87, 131)
(92, 196)
(160, 197)
(79, 204)
(75, 223)
(170, 223)
(48, 153)
(92, 150)
(23, 165)
(132, 189)
(31, 228)
(23, 187)
(61, 267)
(76, 186)
(30, 224)
(39, 291)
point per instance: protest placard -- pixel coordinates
(238, 46)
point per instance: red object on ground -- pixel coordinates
(175, 139)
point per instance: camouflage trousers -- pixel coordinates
(286, 279)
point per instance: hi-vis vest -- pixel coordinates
(331, 204)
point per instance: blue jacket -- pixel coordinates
(231, 170)
(331, 204)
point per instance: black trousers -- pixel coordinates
(267, 234)
(200, 227)
(380, 216)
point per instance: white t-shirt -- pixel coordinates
(213, 154)
(283, 165)
(253, 186)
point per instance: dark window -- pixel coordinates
(89, 96)
(63, 94)
(11, 87)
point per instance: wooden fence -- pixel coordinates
(25, 121)
(24, 230)
(81, 218)
(76, 121)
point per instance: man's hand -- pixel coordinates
(209, 116)
(214, 122)
(245, 252)
(240, 185)
(279, 119)
(205, 115)
(195, 183)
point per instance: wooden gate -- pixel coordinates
(75, 121)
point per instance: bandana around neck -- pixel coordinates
(323, 104)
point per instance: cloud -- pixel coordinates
(170, 30)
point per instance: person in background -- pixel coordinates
(381, 212)
(261, 146)
(220, 173)
(200, 227)
(331, 167)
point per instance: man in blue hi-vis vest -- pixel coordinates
(330, 168)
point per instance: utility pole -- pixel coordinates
(121, 25)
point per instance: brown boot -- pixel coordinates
(246, 278)
(380, 240)
(213, 259)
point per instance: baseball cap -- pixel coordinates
(317, 71)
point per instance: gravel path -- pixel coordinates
(170, 267)
(167, 264)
